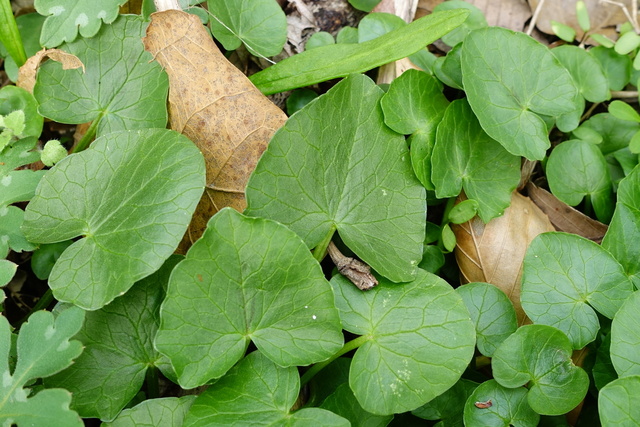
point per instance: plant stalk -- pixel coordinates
(321, 250)
(88, 136)
(151, 379)
(9, 34)
(346, 348)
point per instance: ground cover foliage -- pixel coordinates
(385, 253)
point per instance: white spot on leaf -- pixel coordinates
(56, 10)
(102, 14)
(314, 317)
(6, 180)
(49, 332)
(82, 20)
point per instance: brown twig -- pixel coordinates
(355, 270)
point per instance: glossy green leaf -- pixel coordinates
(365, 5)
(451, 67)
(465, 157)
(260, 24)
(14, 98)
(43, 348)
(627, 42)
(634, 144)
(506, 96)
(335, 166)
(378, 24)
(298, 99)
(565, 32)
(321, 38)
(7, 270)
(344, 403)
(122, 87)
(256, 391)
(323, 385)
(623, 111)
(506, 407)
(347, 35)
(18, 186)
(475, 21)
(541, 356)
(491, 312)
(603, 40)
(625, 338)
(603, 370)
(586, 72)
(616, 133)
(463, 211)
(583, 16)
(246, 279)
(340, 60)
(131, 196)
(118, 350)
(616, 67)
(67, 18)
(449, 406)
(418, 339)
(623, 236)
(11, 237)
(578, 169)
(618, 402)
(432, 259)
(414, 104)
(165, 412)
(565, 279)
(18, 153)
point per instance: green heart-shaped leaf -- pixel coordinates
(565, 279)
(418, 339)
(121, 86)
(494, 405)
(335, 165)
(623, 236)
(618, 402)
(541, 355)
(256, 392)
(625, 337)
(466, 157)
(506, 96)
(260, 24)
(168, 411)
(586, 72)
(246, 279)
(118, 349)
(492, 313)
(131, 196)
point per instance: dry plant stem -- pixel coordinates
(166, 5)
(355, 270)
(624, 94)
(632, 19)
(534, 19)
(586, 115)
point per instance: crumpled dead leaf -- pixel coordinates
(564, 217)
(216, 106)
(603, 16)
(28, 71)
(494, 252)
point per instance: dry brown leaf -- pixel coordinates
(216, 106)
(564, 217)
(603, 16)
(510, 14)
(28, 71)
(494, 252)
(405, 9)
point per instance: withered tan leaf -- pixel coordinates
(494, 252)
(564, 217)
(216, 106)
(28, 71)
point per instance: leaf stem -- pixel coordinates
(88, 136)
(321, 250)
(151, 379)
(346, 348)
(624, 94)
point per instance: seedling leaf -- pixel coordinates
(131, 196)
(246, 279)
(586, 72)
(541, 355)
(335, 166)
(408, 357)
